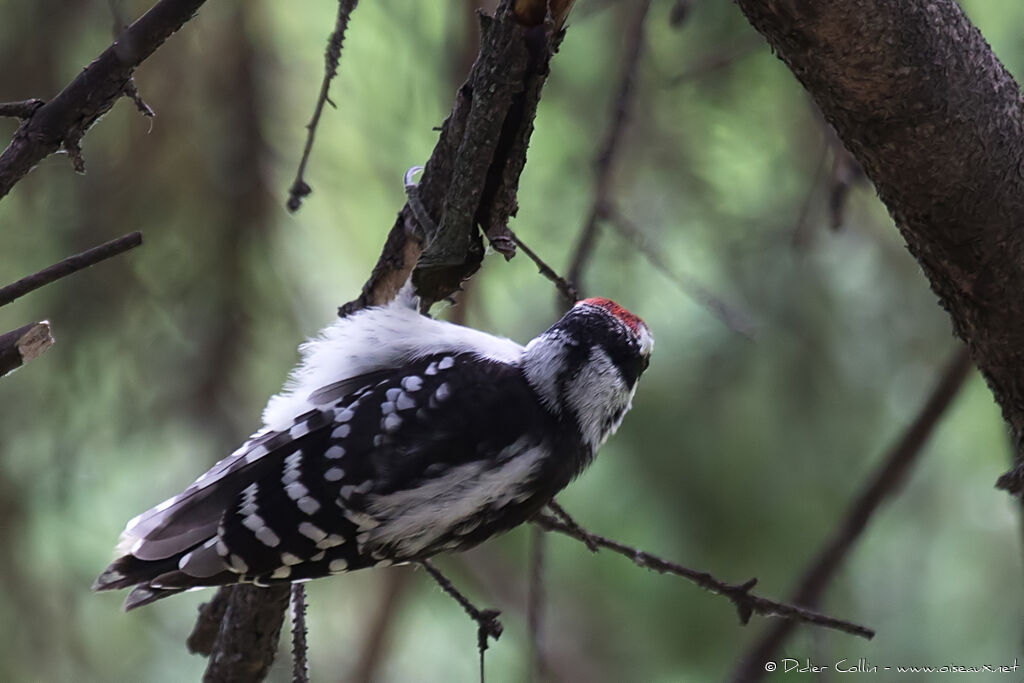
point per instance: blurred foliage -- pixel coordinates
(739, 456)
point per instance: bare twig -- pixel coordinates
(487, 622)
(604, 164)
(300, 188)
(565, 287)
(22, 110)
(885, 482)
(300, 662)
(71, 264)
(567, 519)
(746, 603)
(63, 121)
(395, 583)
(732, 317)
(22, 345)
(535, 605)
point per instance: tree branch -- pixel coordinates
(248, 634)
(22, 345)
(21, 110)
(917, 96)
(300, 661)
(746, 603)
(300, 188)
(487, 622)
(63, 121)
(507, 111)
(72, 264)
(884, 484)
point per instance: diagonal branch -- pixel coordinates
(71, 264)
(63, 121)
(884, 484)
(500, 97)
(747, 604)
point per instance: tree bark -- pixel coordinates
(916, 94)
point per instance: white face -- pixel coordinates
(599, 398)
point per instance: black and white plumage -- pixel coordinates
(396, 438)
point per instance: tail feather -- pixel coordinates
(129, 570)
(145, 594)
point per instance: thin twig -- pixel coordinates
(22, 345)
(300, 188)
(71, 264)
(883, 484)
(746, 603)
(732, 317)
(535, 604)
(487, 622)
(300, 662)
(567, 519)
(565, 288)
(610, 145)
(22, 110)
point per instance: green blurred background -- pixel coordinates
(739, 456)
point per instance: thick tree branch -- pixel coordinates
(63, 121)
(484, 138)
(22, 345)
(71, 264)
(243, 654)
(746, 603)
(935, 120)
(884, 484)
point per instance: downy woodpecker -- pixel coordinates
(397, 437)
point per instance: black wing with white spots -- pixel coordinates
(391, 468)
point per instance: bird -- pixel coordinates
(395, 438)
